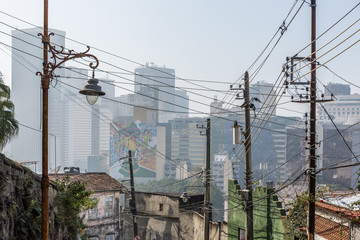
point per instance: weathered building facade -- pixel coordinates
(163, 216)
(103, 222)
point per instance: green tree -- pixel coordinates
(296, 218)
(8, 124)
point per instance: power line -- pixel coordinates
(105, 122)
(280, 28)
(337, 129)
(198, 112)
(353, 84)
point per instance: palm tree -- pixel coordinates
(8, 124)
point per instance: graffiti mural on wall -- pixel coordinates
(138, 137)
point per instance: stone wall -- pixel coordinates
(20, 203)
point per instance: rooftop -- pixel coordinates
(330, 230)
(95, 181)
(350, 214)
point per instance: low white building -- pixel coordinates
(341, 109)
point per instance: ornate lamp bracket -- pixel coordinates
(61, 56)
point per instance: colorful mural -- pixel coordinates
(138, 137)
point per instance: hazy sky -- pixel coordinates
(200, 39)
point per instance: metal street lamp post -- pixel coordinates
(59, 57)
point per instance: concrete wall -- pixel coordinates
(267, 214)
(150, 204)
(354, 230)
(192, 227)
(151, 227)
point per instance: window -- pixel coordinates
(109, 202)
(122, 199)
(241, 234)
(161, 207)
(92, 213)
(110, 237)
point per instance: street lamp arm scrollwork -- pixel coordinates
(63, 55)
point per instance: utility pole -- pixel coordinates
(59, 57)
(312, 160)
(207, 179)
(311, 171)
(248, 163)
(45, 82)
(207, 183)
(133, 203)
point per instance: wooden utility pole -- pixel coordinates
(45, 82)
(133, 203)
(312, 156)
(248, 163)
(207, 183)
(91, 89)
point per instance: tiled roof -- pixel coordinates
(98, 181)
(330, 230)
(352, 215)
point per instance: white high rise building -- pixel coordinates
(182, 104)
(73, 123)
(86, 129)
(27, 98)
(156, 85)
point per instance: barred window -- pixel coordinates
(109, 202)
(110, 237)
(93, 213)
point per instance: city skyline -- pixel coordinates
(222, 44)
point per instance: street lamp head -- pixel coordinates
(92, 91)
(185, 197)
